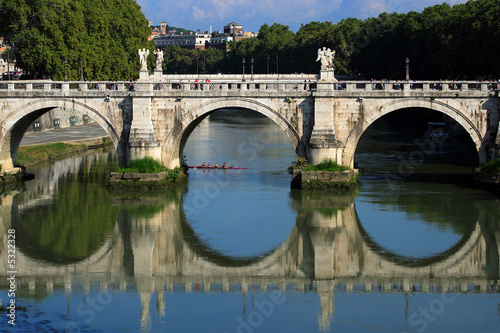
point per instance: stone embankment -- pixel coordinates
(312, 180)
(145, 181)
(136, 177)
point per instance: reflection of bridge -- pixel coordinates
(322, 118)
(326, 248)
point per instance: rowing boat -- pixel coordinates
(214, 167)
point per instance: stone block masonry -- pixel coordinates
(133, 176)
(311, 180)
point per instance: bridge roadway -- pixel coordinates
(322, 118)
(67, 134)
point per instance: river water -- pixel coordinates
(414, 248)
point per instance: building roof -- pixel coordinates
(232, 23)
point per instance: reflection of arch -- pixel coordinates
(464, 246)
(201, 249)
(17, 122)
(177, 138)
(370, 117)
(308, 244)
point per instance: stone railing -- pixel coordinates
(210, 86)
(424, 86)
(241, 77)
(163, 85)
(213, 85)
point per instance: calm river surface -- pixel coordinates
(414, 248)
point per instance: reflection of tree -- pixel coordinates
(327, 203)
(437, 205)
(145, 205)
(75, 223)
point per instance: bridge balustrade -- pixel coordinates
(270, 86)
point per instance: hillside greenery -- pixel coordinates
(105, 34)
(442, 42)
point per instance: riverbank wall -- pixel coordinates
(145, 181)
(317, 180)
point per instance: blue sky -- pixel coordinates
(200, 14)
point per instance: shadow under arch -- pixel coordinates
(15, 125)
(471, 238)
(178, 136)
(423, 103)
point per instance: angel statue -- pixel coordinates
(143, 57)
(326, 57)
(159, 59)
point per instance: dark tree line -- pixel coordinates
(105, 34)
(459, 42)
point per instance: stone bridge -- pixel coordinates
(322, 118)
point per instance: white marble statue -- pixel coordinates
(143, 57)
(159, 59)
(326, 57)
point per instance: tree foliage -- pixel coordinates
(442, 42)
(105, 34)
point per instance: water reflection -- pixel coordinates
(103, 242)
(74, 206)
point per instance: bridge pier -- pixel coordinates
(142, 140)
(496, 149)
(323, 143)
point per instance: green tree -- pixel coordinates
(105, 34)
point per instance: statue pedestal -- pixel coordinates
(158, 73)
(143, 75)
(327, 75)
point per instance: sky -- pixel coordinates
(252, 14)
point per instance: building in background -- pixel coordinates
(197, 40)
(189, 41)
(233, 28)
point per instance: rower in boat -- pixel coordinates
(204, 165)
(209, 165)
(224, 166)
(217, 166)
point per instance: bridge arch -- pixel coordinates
(177, 138)
(369, 117)
(14, 126)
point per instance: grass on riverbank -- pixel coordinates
(326, 165)
(143, 165)
(30, 155)
(491, 167)
(148, 165)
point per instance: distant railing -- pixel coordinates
(416, 86)
(208, 85)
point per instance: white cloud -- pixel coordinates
(310, 13)
(373, 7)
(198, 14)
